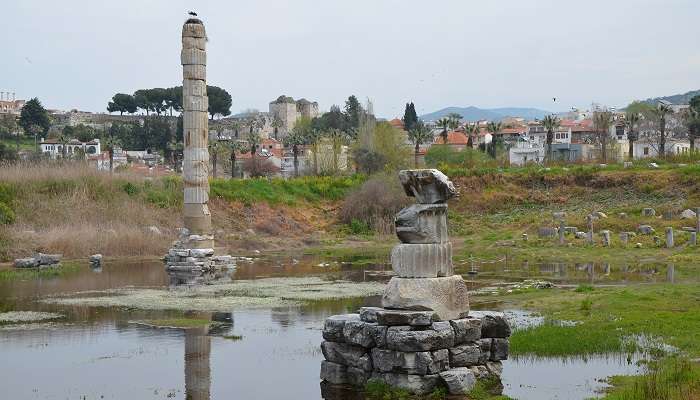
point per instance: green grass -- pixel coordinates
(285, 191)
(552, 340)
(378, 390)
(674, 378)
(485, 389)
(28, 274)
(25, 143)
(233, 338)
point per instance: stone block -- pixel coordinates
(358, 377)
(466, 330)
(334, 373)
(495, 368)
(422, 260)
(571, 230)
(447, 296)
(415, 384)
(499, 349)
(546, 232)
(648, 212)
(365, 334)
(645, 229)
(438, 336)
(493, 324)
(459, 381)
(428, 186)
(422, 223)
(347, 354)
(29, 262)
(333, 326)
(480, 371)
(688, 214)
(369, 314)
(466, 355)
(48, 259)
(201, 253)
(413, 363)
(399, 317)
(485, 347)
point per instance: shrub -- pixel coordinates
(439, 156)
(7, 215)
(375, 203)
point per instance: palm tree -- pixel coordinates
(494, 128)
(337, 137)
(215, 147)
(550, 124)
(63, 140)
(276, 125)
(253, 143)
(419, 135)
(602, 120)
(631, 120)
(112, 142)
(454, 120)
(443, 123)
(472, 131)
(660, 113)
(691, 119)
(235, 146)
(295, 139)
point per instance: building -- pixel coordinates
(284, 112)
(101, 160)
(525, 151)
(646, 148)
(456, 140)
(9, 104)
(73, 147)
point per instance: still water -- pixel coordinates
(101, 353)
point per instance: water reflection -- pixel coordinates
(197, 366)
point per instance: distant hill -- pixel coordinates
(494, 114)
(676, 98)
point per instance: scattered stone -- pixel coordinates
(29, 262)
(346, 354)
(466, 355)
(401, 317)
(648, 212)
(556, 216)
(645, 229)
(439, 336)
(570, 230)
(333, 326)
(622, 215)
(688, 214)
(459, 381)
(580, 235)
(417, 384)
(524, 237)
(606, 238)
(334, 373)
(466, 330)
(600, 214)
(546, 232)
(428, 186)
(201, 253)
(49, 259)
(447, 297)
(669, 237)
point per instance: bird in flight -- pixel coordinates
(192, 13)
(554, 99)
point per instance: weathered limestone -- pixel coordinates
(39, 260)
(606, 238)
(428, 186)
(401, 317)
(447, 297)
(459, 380)
(688, 214)
(333, 326)
(96, 260)
(645, 229)
(466, 329)
(347, 354)
(561, 232)
(422, 223)
(669, 237)
(693, 238)
(422, 260)
(648, 212)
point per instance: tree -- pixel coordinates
(691, 120)
(7, 153)
(295, 139)
(219, 101)
(410, 118)
(34, 119)
(276, 125)
(443, 123)
(253, 144)
(631, 121)
(235, 146)
(337, 138)
(353, 109)
(472, 131)
(660, 114)
(122, 103)
(390, 144)
(215, 147)
(63, 140)
(494, 128)
(143, 101)
(81, 132)
(550, 124)
(420, 134)
(455, 120)
(602, 120)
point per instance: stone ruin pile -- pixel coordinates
(187, 254)
(423, 337)
(40, 260)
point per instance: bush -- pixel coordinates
(439, 156)
(7, 216)
(375, 203)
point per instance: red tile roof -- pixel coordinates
(454, 138)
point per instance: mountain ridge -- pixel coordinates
(472, 113)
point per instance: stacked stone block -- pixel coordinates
(181, 257)
(413, 351)
(423, 336)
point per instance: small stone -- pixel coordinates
(49, 259)
(653, 165)
(466, 355)
(600, 214)
(499, 349)
(480, 371)
(400, 317)
(428, 186)
(201, 253)
(622, 215)
(333, 326)
(439, 336)
(334, 373)
(558, 215)
(96, 258)
(571, 230)
(580, 235)
(648, 212)
(493, 324)
(688, 214)
(347, 354)
(369, 314)
(415, 384)
(638, 245)
(459, 381)
(466, 330)
(645, 229)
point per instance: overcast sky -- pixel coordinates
(495, 53)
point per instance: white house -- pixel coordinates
(526, 151)
(55, 149)
(101, 160)
(650, 148)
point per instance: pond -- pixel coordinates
(262, 351)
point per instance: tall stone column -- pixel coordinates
(195, 120)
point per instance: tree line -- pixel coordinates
(162, 101)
